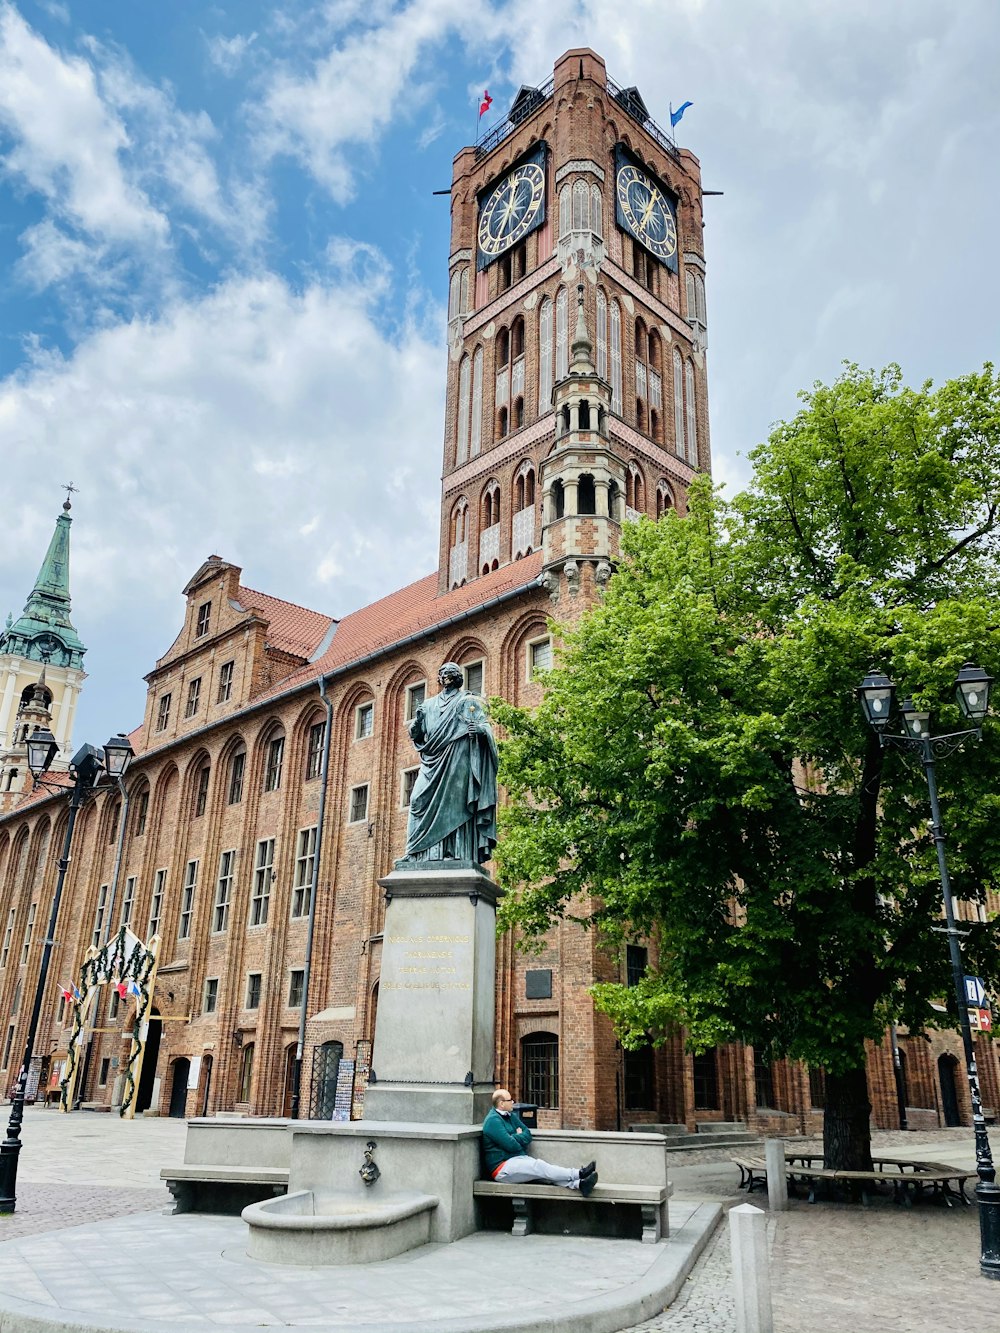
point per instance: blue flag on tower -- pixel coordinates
(676, 115)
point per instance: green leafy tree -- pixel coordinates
(699, 770)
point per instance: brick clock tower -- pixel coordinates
(577, 394)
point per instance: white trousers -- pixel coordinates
(525, 1170)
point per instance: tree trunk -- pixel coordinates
(847, 1141)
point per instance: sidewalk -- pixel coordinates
(88, 1249)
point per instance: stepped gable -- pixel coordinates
(290, 628)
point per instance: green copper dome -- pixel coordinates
(43, 632)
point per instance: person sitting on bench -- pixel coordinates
(505, 1139)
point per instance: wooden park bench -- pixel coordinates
(907, 1178)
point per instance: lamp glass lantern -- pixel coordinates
(917, 723)
(972, 690)
(876, 693)
(42, 749)
(118, 754)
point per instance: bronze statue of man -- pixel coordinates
(453, 806)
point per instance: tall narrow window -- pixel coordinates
(706, 1082)
(97, 938)
(415, 695)
(581, 206)
(305, 861)
(602, 334)
(691, 410)
(296, 979)
(201, 791)
(678, 404)
(204, 619)
(237, 766)
(223, 892)
(163, 713)
(359, 804)
(187, 900)
(128, 901)
(141, 812)
(193, 696)
(253, 990)
(263, 875)
(29, 930)
(476, 433)
(364, 721)
(314, 750)
(5, 951)
(464, 389)
(225, 682)
(273, 763)
(211, 999)
(596, 222)
(156, 902)
(544, 357)
(562, 334)
(565, 210)
(616, 357)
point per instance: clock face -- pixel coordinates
(511, 209)
(646, 211)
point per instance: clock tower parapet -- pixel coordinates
(582, 477)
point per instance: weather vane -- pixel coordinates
(70, 489)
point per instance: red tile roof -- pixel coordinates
(404, 613)
(291, 629)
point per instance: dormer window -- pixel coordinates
(204, 619)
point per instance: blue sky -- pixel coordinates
(224, 268)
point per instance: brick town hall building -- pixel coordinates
(274, 742)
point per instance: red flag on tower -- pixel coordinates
(486, 103)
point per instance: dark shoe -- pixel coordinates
(587, 1184)
(588, 1170)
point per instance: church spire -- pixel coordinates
(44, 631)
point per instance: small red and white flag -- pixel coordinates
(486, 103)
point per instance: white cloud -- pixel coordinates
(66, 142)
(218, 427)
(229, 53)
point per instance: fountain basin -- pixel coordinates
(319, 1227)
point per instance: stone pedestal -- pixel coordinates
(434, 1045)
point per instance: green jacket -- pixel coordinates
(504, 1136)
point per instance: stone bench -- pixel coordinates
(229, 1164)
(632, 1171)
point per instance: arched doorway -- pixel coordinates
(179, 1088)
(286, 1099)
(206, 1079)
(947, 1065)
(144, 1095)
(326, 1066)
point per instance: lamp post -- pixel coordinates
(85, 769)
(877, 695)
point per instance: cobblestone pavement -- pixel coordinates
(839, 1268)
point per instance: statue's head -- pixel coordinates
(450, 673)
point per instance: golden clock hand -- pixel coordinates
(653, 196)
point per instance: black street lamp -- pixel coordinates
(85, 769)
(877, 696)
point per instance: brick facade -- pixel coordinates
(227, 756)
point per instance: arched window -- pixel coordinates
(565, 210)
(584, 411)
(517, 338)
(491, 504)
(664, 497)
(635, 488)
(602, 334)
(540, 1070)
(523, 535)
(616, 358)
(678, 403)
(596, 222)
(458, 558)
(586, 494)
(462, 441)
(503, 347)
(200, 797)
(558, 500)
(699, 292)
(691, 431)
(544, 356)
(489, 527)
(692, 300)
(454, 294)
(562, 335)
(476, 437)
(501, 423)
(237, 773)
(581, 206)
(464, 297)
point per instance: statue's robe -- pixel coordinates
(453, 805)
